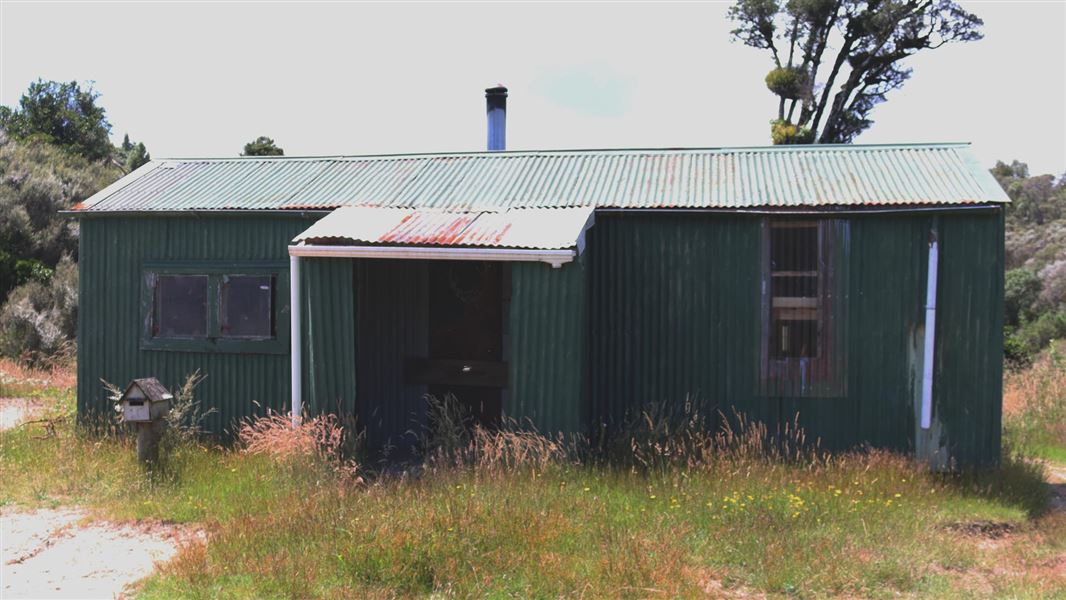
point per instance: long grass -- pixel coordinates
(677, 511)
(1034, 406)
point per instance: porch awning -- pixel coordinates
(552, 235)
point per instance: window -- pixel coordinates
(804, 308)
(212, 307)
(180, 309)
(795, 284)
(246, 311)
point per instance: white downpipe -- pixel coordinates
(294, 339)
(930, 335)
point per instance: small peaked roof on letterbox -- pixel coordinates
(151, 387)
(770, 177)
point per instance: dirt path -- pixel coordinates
(16, 410)
(63, 553)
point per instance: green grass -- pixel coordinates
(872, 525)
(856, 525)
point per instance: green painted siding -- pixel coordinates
(393, 317)
(674, 314)
(113, 252)
(549, 358)
(969, 389)
(660, 308)
(329, 331)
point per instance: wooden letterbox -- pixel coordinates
(145, 400)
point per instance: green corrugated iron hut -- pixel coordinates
(856, 288)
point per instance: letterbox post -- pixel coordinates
(145, 403)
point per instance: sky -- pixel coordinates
(201, 79)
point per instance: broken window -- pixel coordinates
(804, 300)
(180, 307)
(246, 306)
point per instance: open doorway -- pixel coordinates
(466, 349)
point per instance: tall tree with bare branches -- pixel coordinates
(835, 60)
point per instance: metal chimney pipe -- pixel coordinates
(496, 108)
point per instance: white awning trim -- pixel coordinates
(556, 258)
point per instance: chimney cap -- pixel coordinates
(499, 90)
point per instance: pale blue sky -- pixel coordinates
(200, 79)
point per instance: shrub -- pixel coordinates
(1053, 278)
(39, 321)
(1037, 334)
(1016, 353)
(1021, 291)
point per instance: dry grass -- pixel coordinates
(18, 379)
(668, 509)
(314, 445)
(1034, 406)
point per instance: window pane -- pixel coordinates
(794, 248)
(180, 309)
(804, 286)
(794, 289)
(247, 306)
(794, 339)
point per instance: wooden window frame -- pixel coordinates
(214, 341)
(823, 374)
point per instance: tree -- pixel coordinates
(1035, 199)
(137, 156)
(62, 114)
(861, 43)
(130, 156)
(39, 180)
(262, 146)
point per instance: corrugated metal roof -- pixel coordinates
(527, 228)
(779, 176)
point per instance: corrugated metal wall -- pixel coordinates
(968, 394)
(393, 316)
(662, 307)
(674, 314)
(549, 346)
(329, 334)
(112, 254)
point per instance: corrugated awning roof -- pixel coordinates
(772, 177)
(532, 228)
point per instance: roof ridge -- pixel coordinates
(564, 151)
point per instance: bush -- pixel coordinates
(39, 321)
(1037, 334)
(1016, 353)
(1021, 291)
